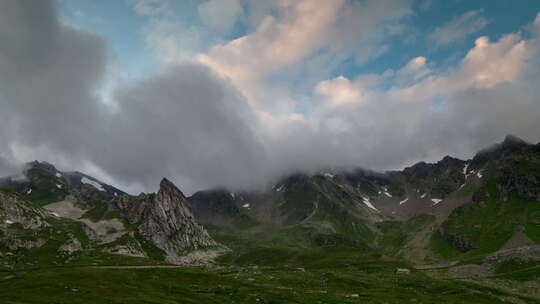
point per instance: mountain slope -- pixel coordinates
(104, 219)
(474, 206)
(167, 221)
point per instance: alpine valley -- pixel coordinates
(455, 231)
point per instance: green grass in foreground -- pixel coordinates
(370, 281)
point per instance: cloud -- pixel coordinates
(306, 39)
(415, 70)
(49, 75)
(276, 43)
(485, 66)
(220, 15)
(195, 123)
(459, 28)
(151, 7)
(340, 92)
(185, 122)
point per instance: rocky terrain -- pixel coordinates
(453, 219)
(43, 200)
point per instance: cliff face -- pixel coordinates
(166, 219)
(16, 210)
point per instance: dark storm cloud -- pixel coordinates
(185, 123)
(49, 74)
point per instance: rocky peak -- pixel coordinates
(167, 221)
(168, 189)
(510, 145)
(41, 165)
(511, 140)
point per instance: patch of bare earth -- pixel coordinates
(106, 230)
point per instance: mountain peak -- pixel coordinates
(166, 186)
(513, 140)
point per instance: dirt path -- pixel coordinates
(436, 266)
(136, 267)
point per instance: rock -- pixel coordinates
(402, 271)
(15, 210)
(525, 252)
(167, 221)
(72, 246)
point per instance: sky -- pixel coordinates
(238, 93)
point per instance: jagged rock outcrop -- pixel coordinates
(15, 210)
(524, 252)
(166, 219)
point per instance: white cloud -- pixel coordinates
(458, 28)
(276, 42)
(340, 92)
(485, 66)
(220, 15)
(412, 72)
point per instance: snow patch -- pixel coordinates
(479, 174)
(232, 195)
(465, 169)
(115, 194)
(280, 188)
(92, 183)
(329, 175)
(386, 192)
(8, 222)
(55, 214)
(423, 195)
(404, 201)
(368, 203)
(463, 185)
(29, 191)
(245, 205)
(58, 174)
(436, 201)
(58, 186)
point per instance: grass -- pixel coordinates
(515, 265)
(466, 191)
(395, 234)
(324, 281)
(487, 224)
(532, 227)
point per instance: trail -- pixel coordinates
(154, 266)
(136, 267)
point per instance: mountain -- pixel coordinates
(465, 231)
(56, 211)
(439, 211)
(167, 221)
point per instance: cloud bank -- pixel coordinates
(222, 119)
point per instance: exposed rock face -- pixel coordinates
(166, 219)
(525, 252)
(214, 207)
(15, 210)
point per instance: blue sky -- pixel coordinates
(123, 28)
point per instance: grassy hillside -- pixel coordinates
(329, 276)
